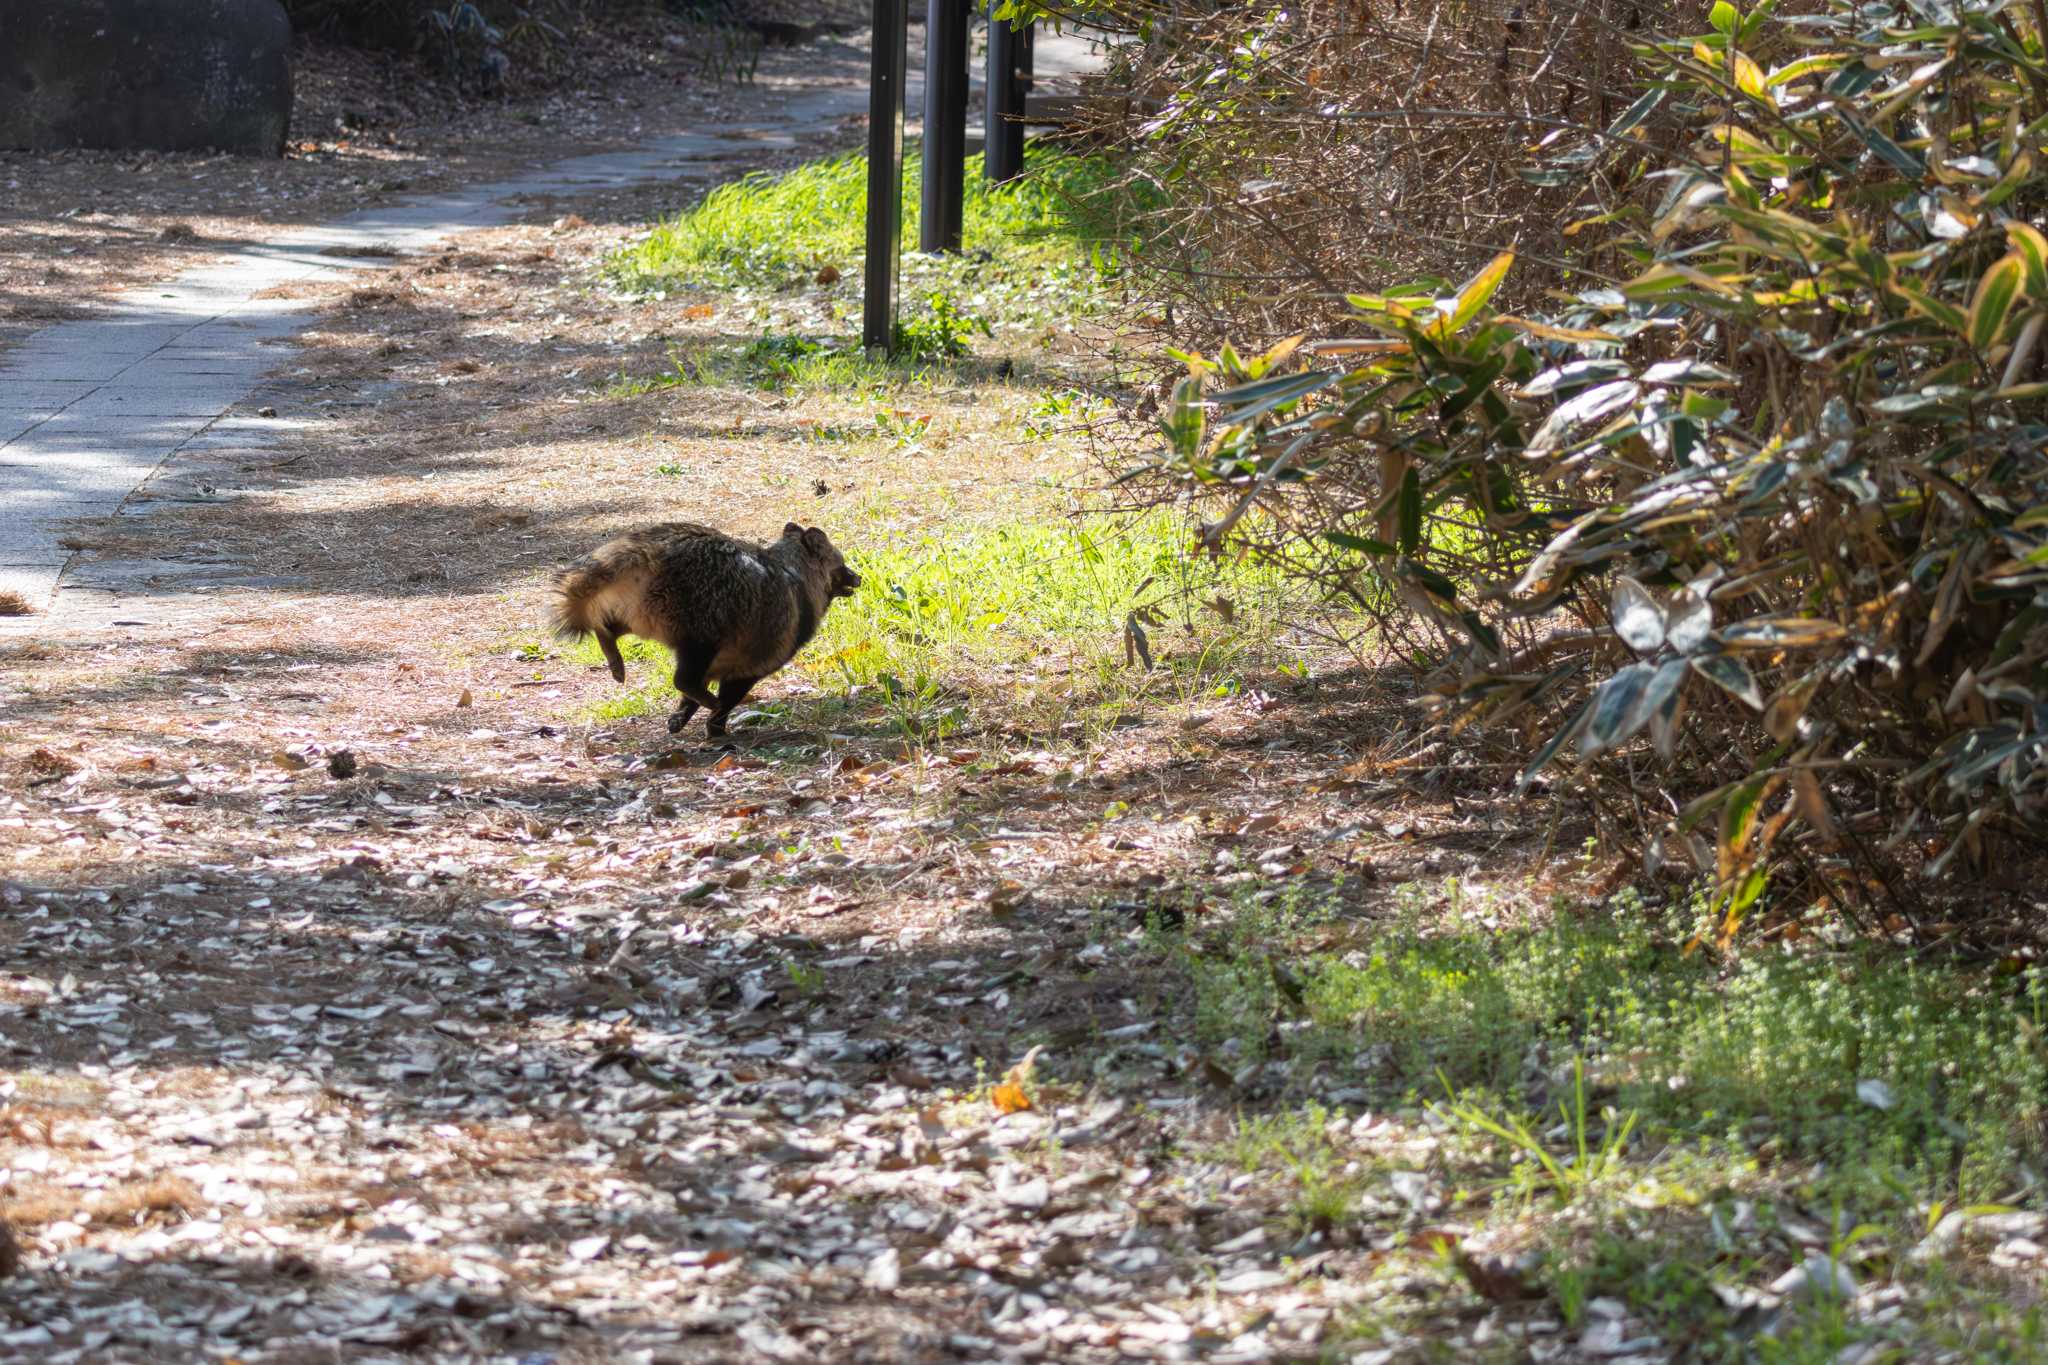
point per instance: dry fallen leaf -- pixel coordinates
(1009, 1099)
(465, 699)
(1009, 1096)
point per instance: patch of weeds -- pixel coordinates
(785, 362)
(942, 331)
(1664, 1104)
(1055, 413)
(1324, 1183)
(1590, 1158)
(1774, 1041)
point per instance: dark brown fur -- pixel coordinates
(732, 611)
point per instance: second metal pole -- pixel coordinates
(885, 173)
(1003, 154)
(945, 125)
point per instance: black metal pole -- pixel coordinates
(885, 172)
(1003, 152)
(945, 125)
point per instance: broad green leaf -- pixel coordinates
(1686, 372)
(1638, 620)
(1475, 294)
(1891, 151)
(1780, 632)
(1589, 406)
(1578, 374)
(1247, 401)
(1731, 675)
(1618, 709)
(1723, 17)
(1551, 750)
(1548, 332)
(1805, 66)
(1749, 77)
(1666, 702)
(1688, 618)
(1947, 314)
(1184, 423)
(1633, 116)
(1993, 300)
(2031, 247)
(1738, 818)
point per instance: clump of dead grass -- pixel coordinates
(14, 604)
(128, 1203)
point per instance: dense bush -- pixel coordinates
(1759, 496)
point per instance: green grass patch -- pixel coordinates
(1035, 248)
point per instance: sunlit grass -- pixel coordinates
(775, 227)
(1037, 249)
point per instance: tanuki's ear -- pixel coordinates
(792, 529)
(816, 539)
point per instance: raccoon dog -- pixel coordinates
(732, 611)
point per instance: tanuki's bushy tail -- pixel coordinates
(599, 594)
(587, 589)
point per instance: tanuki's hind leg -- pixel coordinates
(731, 692)
(691, 665)
(609, 643)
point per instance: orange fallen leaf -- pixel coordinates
(1009, 1099)
(699, 310)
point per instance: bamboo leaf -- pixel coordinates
(2031, 248)
(1731, 675)
(1780, 632)
(1638, 620)
(1749, 77)
(1948, 604)
(1476, 292)
(1947, 314)
(1688, 618)
(1550, 750)
(1666, 704)
(1993, 300)
(1618, 709)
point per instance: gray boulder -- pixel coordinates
(167, 75)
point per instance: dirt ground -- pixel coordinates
(363, 998)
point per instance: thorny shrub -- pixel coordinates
(1767, 508)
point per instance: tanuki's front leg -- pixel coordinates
(691, 666)
(731, 693)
